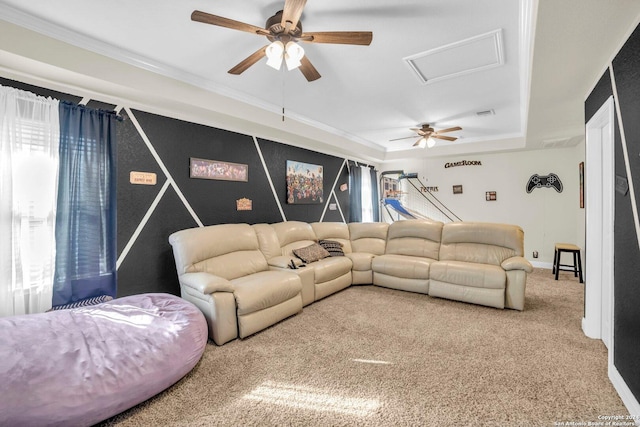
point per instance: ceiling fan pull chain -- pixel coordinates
(282, 73)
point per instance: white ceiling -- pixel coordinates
(553, 51)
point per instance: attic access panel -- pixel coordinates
(455, 59)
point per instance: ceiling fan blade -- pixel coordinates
(309, 71)
(406, 137)
(417, 143)
(208, 18)
(339, 37)
(448, 138)
(249, 61)
(291, 13)
(449, 129)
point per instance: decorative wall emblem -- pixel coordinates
(548, 181)
(244, 204)
(463, 163)
(428, 189)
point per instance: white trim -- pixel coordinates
(541, 264)
(326, 205)
(266, 171)
(155, 155)
(142, 223)
(599, 209)
(528, 19)
(624, 392)
(338, 204)
(625, 151)
(85, 100)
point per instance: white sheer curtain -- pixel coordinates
(29, 139)
(367, 201)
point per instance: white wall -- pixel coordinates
(545, 215)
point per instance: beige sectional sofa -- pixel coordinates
(246, 278)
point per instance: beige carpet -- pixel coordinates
(370, 356)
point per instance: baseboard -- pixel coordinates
(625, 394)
(540, 264)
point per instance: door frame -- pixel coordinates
(599, 211)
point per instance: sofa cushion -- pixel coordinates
(330, 268)
(415, 237)
(311, 253)
(469, 274)
(291, 232)
(361, 261)
(369, 237)
(405, 266)
(336, 231)
(332, 246)
(268, 241)
(226, 250)
(484, 243)
(265, 289)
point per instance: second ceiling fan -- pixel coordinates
(284, 31)
(427, 133)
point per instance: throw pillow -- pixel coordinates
(83, 302)
(333, 247)
(311, 253)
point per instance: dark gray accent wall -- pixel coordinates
(147, 216)
(626, 69)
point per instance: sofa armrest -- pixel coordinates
(206, 283)
(283, 261)
(517, 263)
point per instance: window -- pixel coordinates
(29, 138)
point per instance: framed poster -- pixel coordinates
(457, 189)
(304, 183)
(491, 196)
(214, 169)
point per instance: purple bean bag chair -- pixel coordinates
(80, 366)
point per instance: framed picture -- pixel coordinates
(304, 183)
(491, 196)
(457, 189)
(581, 174)
(214, 169)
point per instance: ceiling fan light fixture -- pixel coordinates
(422, 142)
(293, 54)
(274, 54)
(431, 142)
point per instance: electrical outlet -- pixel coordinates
(535, 254)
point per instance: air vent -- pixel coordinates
(455, 59)
(485, 113)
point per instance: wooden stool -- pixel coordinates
(577, 263)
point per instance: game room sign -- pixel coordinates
(463, 163)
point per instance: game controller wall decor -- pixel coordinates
(548, 181)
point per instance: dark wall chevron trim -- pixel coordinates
(147, 215)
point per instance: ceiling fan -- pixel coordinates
(284, 31)
(427, 133)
